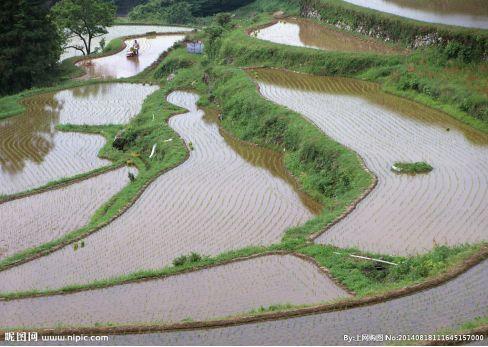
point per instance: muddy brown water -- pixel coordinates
(305, 33)
(227, 195)
(33, 152)
(466, 13)
(119, 65)
(120, 31)
(215, 292)
(403, 214)
(426, 312)
(41, 218)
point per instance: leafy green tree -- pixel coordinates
(83, 20)
(30, 45)
(179, 13)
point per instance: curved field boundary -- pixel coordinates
(222, 284)
(360, 198)
(78, 178)
(124, 46)
(101, 225)
(222, 206)
(197, 268)
(349, 304)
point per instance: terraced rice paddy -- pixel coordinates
(226, 196)
(33, 152)
(305, 33)
(467, 13)
(446, 306)
(403, 214)
(119, 66)
(40, 218)
(215, 292)
(120, 31)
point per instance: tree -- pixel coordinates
(30, 44)
(83, 20)
(178, 13)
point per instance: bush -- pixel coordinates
(182, 259)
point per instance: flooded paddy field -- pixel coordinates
(429, 311)
(305, 33)
(40, 218)
(466, 13)
(404, 214)
(227, 195)
(33, 152)
(119, 66)
(215, 292)
(120, 31)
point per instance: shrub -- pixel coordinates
(178, 261)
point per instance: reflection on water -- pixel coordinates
(403, 214)
(264, 158)
(119, 65)
(119, 31)
(33, 152)
(227, 195)
(466, 13)
(305, 33)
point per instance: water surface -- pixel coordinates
(465, 13)
(33, 152)
(119, 65)
(430, 311)
(403, 214)
(40, 218)
(305, 33)
(211, 293)
(120, 31)
(227, 195)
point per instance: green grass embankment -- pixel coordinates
(252, 118)
(142, 133)
(431, 76)
(466, 43)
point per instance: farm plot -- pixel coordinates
(120, 31)
(429, 311)
(404, 214)
(215, 292)
(40, 218)
(33, 152)
(227, 195)
(305, 33)
(119, 66)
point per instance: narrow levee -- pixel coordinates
(33, 152)
(215, 292)
(119, 65)
(226, 196)
(40, 218)
(426, 312)
(467, 13)
(404, 214)
(305, 33)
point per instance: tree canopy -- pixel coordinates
(169, 10)
(30, 44)
(82, 20)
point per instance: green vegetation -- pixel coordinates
(146, 132)
(182, 11)
(83, 20)
(325, 169)
(465, 44)
(187, 259)
(412, 168)
(255, 119)
(30, 45)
